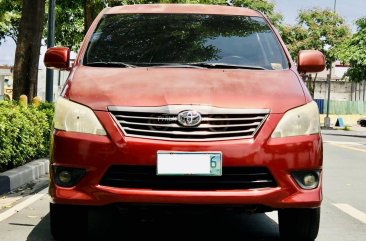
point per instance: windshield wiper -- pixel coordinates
(110, 64)
(173, 65)
(225, 66)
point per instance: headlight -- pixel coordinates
(303, 120)
(70, 116)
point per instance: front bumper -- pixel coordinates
(97, 153)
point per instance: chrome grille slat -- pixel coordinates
(178, 126)
(203, 119)
(196, 133)
(148, 124)
(232, 119)
(162, 122)
(139, 117)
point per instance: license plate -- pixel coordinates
(189, 163)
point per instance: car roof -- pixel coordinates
(183, 9)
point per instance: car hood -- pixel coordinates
(99, 88)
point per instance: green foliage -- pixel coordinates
(48, 109)
(264, 6)
(69, 24)
(353, 52)
(346, 128)
(320, 29)
(10, 14)
(294, 37)
(24, 133)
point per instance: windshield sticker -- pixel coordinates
(276, 66)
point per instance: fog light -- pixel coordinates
(307, 179)
(67, 176)
(310, 180)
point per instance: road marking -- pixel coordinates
(348, 147)
(8, 201)
(11, 211)
(345, 143)
(273, 215)
(353, 212)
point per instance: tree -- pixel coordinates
(92, 9)
(73, 18)
(353, 52)
(9, 18)
(294, 36)
(69, 24)
(319, 29)
(28, 48)
(263, 6)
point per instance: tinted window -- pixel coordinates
(153, 39)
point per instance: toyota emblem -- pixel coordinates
(189, 118)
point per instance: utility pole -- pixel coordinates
(329, 79)
(50, 43)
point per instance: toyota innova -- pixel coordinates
(186, 105)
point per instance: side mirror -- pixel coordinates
(312, 61)
(57, 58)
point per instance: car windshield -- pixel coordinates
(184, 40)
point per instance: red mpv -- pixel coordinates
(186, 105)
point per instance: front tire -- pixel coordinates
(299, 224)
(363, 123)
(68, 222)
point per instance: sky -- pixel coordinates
(351, 10)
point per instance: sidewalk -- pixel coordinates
(355, 131)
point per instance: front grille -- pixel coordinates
(162, 122)
(233, 178)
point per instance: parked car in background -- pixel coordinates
(362, 122)
(182, 105)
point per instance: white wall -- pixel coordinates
(1, 87)
(340, 90)
(41, 87)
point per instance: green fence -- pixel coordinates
(338, 107)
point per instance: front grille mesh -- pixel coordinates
(162, 123)
(233, 178)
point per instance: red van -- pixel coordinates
(186, 105)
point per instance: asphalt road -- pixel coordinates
(25, 216)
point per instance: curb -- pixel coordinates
(20, 176)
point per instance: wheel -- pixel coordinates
(363, 123)
(299, 224)
(68, 222)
